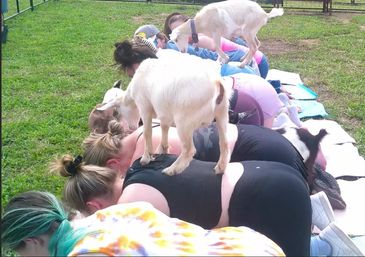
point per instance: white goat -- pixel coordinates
(227, 19)
(178, 89)
(113, 92)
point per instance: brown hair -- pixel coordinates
(99, 120)
(175, 16)
(99, 148)
(162, 36)
(84, 181)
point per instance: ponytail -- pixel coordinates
(35, 213)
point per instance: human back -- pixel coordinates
(141, 231)
(199, 196)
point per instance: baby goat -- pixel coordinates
(242, 18)
(181, 90)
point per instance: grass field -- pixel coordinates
(57, 64)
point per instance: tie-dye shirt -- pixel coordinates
(138, 229)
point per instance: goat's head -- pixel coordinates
(122, 109)
(113, 92)
(180, 35)
(129, 114)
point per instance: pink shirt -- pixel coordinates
(228, 45)
(259, 89)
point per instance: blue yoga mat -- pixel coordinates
(300, 92)
(310, 108)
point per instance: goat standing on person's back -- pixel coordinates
(242, 18)
(181, 90)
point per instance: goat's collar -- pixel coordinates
(194, 35)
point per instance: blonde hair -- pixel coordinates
(84, 181)
(99, 148)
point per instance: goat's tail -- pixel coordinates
(221, 91)
(275, 12)
(321, 134)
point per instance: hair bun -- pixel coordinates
(72, 167)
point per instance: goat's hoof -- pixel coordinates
(171, 171)
(218, 169)
(146, 160)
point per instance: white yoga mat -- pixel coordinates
(352, 219)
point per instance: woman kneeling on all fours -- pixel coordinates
(331, 242)
(250, 193)
(36, 224)
(251, 94)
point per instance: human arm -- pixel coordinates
(206, 42)
(199, 51)
(228, 46)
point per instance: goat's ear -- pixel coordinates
(110, 104)
(117, 84)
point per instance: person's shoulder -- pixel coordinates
(171, 45)
(122, 209)
(91, 254)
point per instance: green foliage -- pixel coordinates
(57, 64)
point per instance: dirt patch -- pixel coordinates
(156, 20)
(309, 43)
(276, 47)
(344, 17)
(323, 91)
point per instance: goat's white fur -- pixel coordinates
(182, 90)
(227, 19)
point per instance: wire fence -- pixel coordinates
(326, 6)
(16, 7)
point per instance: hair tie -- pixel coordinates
(139, 41)
(72, 168)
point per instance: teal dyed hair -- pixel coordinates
(35, 213)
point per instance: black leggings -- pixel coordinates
(260, 201)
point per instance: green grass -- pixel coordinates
(57, 64)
